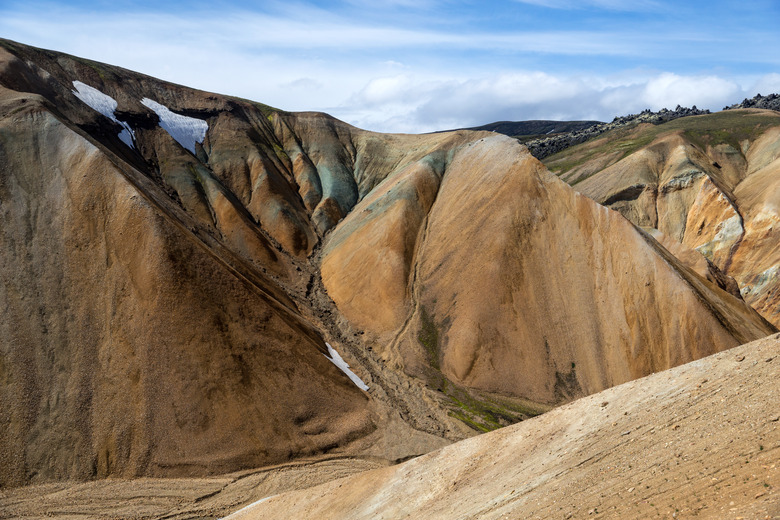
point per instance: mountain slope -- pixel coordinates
(540, 294)
(174, 261)
(708, 182)
(129, 350)
(700, 440)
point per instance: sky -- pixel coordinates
(424, 65)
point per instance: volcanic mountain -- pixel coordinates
(709, 183)
(185, 277)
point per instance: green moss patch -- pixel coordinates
(481, 411)
(486, 412)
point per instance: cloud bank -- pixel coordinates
(405, 103)
(426, 65)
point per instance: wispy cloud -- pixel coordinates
(258, 32)
(380, 68)
(612, 5)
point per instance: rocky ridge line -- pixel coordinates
(546, 146)
(770, 102)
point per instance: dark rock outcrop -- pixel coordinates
(770, 102)
(546, 146)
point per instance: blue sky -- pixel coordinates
(422, 65)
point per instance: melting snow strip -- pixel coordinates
(344, 366)
(185, 130)
(105, 105)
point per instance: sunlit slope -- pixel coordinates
(700, 440)
(510, 282)
(709, 182)
(174, 262)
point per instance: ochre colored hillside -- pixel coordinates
(697, 441)
(173, 262)
(711, 183)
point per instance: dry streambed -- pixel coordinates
(171, 498)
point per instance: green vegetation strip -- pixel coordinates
(481, 411)
(728, 127)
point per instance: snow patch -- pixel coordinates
(127, 136)
(95, 99)
(185, 130)
(335, 358)
(105, 105)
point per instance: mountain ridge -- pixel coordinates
(707, 183)
(169, 307)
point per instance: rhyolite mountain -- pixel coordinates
(709, 183)
(177, 268)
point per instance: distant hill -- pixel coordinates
(546, 145)
(544, 138)
(535, 128)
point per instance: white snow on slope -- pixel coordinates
(336, 360)
(127, 135)
(185, 130)
(105, 105)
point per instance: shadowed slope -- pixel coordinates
(128, 350)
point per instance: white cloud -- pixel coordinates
(708, 91)
(406, 103)
(766, 85)
(401, 77)
(252, 32)
(304, 84)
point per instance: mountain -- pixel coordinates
(708, 183)
(186, 277)
(698, 440)
(533, 128)
(672, 445)
(546, 145)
